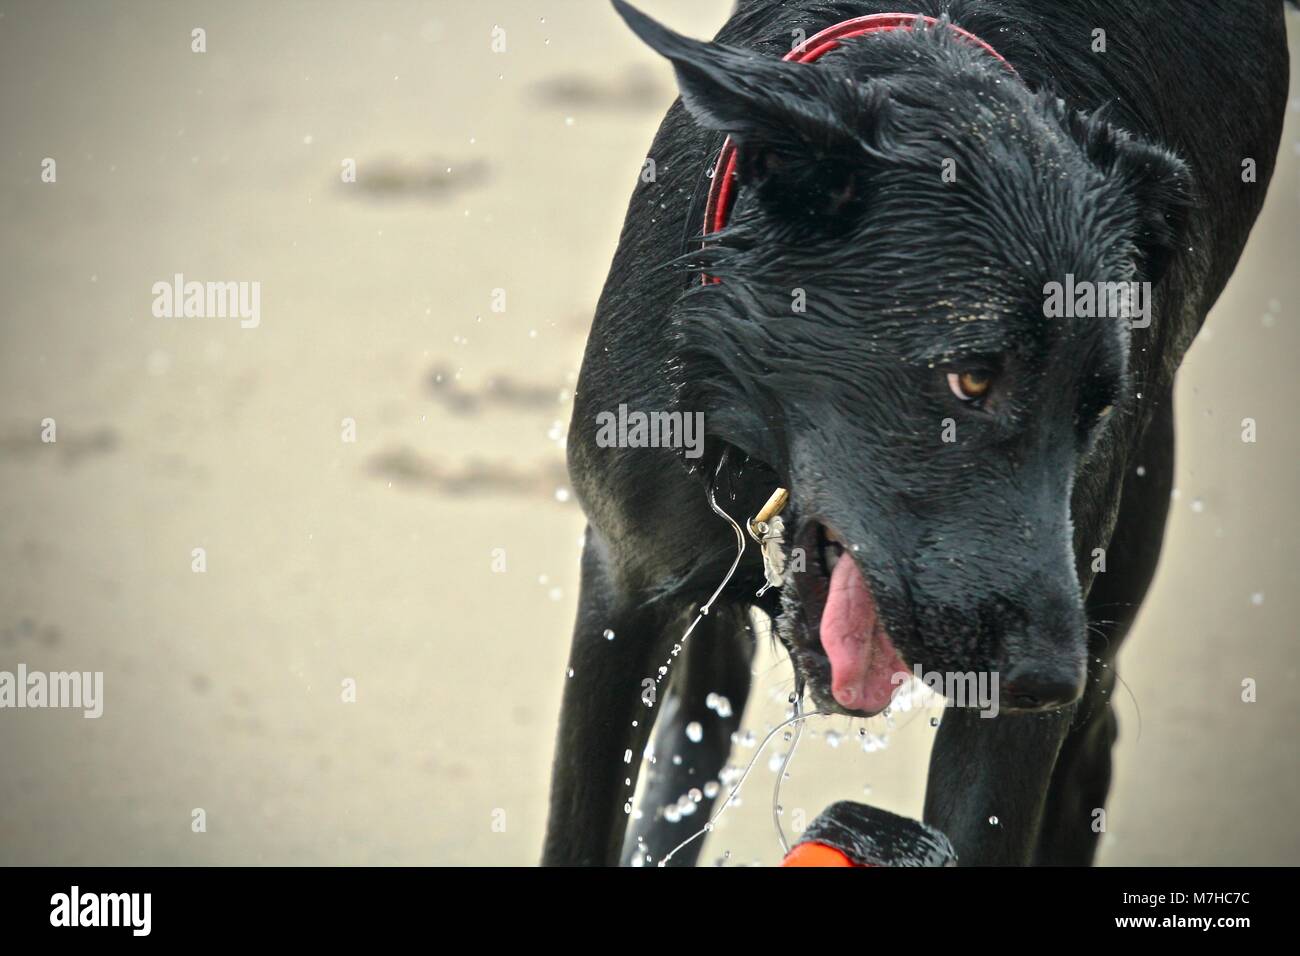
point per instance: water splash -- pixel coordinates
(731, 797)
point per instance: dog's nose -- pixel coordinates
(1030, 689)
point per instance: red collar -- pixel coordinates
(722, 189)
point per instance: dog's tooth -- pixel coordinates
(833, 555)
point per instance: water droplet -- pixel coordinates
(627, 758)
(1257, 598)
(719, 705)
(832, 738)
(873, 742)
(694, 732)
(993, 821)
(561, 495)
(570, 671)
(1198, 505)
(609, 635)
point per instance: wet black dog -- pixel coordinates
(965, 459)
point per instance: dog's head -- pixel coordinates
(879, 338)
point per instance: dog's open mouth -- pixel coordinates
(844, 633)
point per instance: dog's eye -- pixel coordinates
(971, 385)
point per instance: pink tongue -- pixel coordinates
(863, 659)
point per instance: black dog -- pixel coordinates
(961, 460)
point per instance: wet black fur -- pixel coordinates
(1115, 166)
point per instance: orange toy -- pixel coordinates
(850, 834)
(816, 854)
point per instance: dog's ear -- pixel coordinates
(1158, 181)
(806, 138)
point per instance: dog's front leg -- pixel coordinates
(598, 750)
(716, 663)
(988, 781)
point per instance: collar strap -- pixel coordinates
(722, 189)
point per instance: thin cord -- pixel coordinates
(740, 550)
(798, 717)
(708, 827)
(780, 777)
(740, 537)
